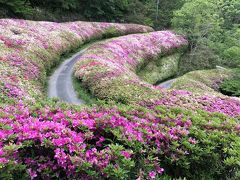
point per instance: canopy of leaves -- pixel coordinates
(148, 12)
(211, 25)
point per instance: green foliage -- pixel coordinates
(13, 171)
(145, 12)
(211, 145)
(109, 33)
(135, 11)
(105, 10)
(56, 4)
(203, 81)
(198, 59)
(199, 20)
(230, 10)
(230, 48)
(231, 86)
(83, 93)
(166, 9)
(160, 69)
(16, 7)
(212, 29)
(233, 53)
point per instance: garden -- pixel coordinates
(129, 126)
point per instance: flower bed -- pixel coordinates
(121, 142)
(29, 49)
(108, 69)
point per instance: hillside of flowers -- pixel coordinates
(29, 49)
(109, 69)
(143, 132)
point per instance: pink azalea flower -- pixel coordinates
(152, 174)
(126, 154)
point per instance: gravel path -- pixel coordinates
(60, 83)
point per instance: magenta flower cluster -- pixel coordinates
(97, 142)
(63, 141)
(184, 99)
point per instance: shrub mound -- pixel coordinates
(203, 81)
(108, 69)
(231, 86)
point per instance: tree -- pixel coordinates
(165, 12)
(230, 11)
(16, 7)
(209, 24)
(107, 10)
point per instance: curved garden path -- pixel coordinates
(60, 83)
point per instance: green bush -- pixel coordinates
(18, 8)
(212, 28)
(233, 54)
(160, 69)
(201, 58)
(231, 87)
(111, 32)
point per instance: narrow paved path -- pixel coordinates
(60, 83)
(167, 84)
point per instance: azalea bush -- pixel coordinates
(160, 70)
(109, 69)
(117, 142)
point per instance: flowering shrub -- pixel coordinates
(109, 68)
(29, 49)
(121, 142)
(187, 100)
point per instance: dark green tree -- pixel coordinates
(16, 7)
(108, 10)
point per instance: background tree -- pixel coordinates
(107, 10)
(15, 8)
(209, 26)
